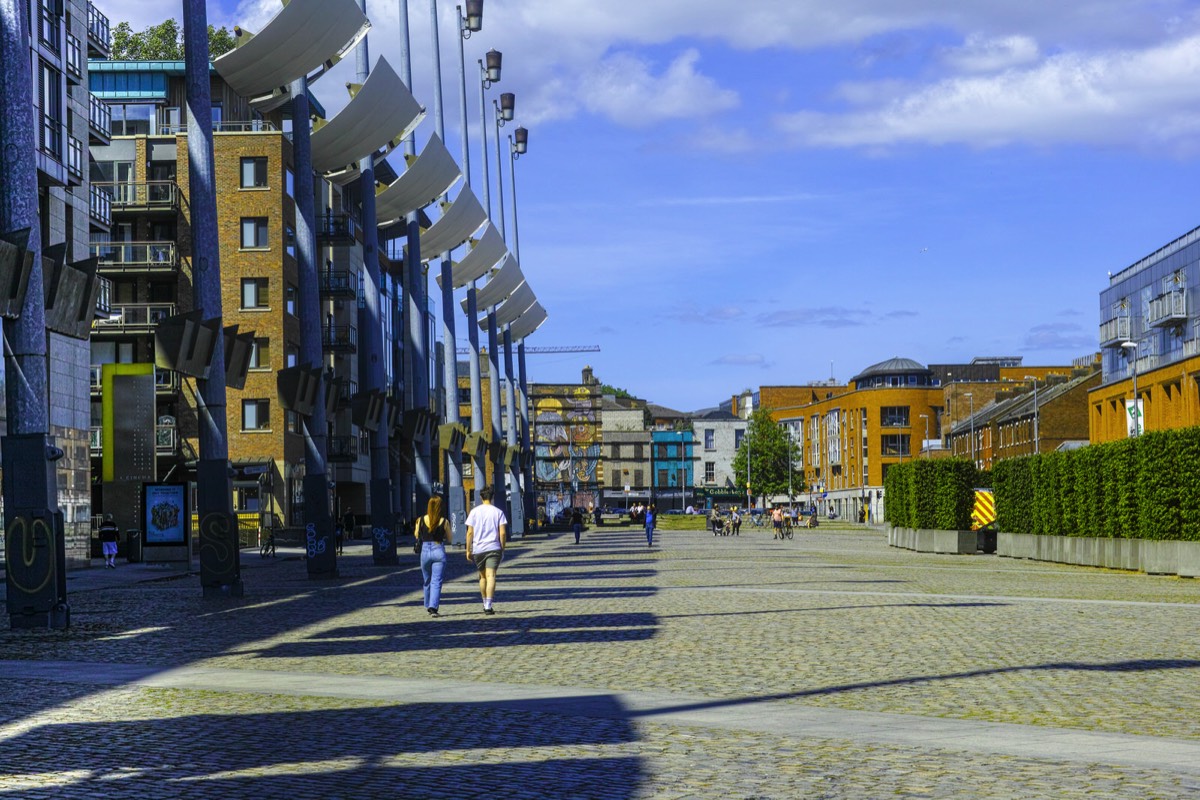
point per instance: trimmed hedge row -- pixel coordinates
(931, 494)
(1143, 488)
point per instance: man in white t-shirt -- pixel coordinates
(487, 533)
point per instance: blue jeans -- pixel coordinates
(578, 530)
(433, 561)
(649, 534)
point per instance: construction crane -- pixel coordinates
(577, 348)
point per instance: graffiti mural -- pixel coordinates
(567, 439)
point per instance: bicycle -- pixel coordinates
(268, 545)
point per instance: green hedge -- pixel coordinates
(931, 494)
(1143, 488)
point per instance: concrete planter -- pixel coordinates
(927, 541)
(1143, 555)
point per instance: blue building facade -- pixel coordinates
(671, 473)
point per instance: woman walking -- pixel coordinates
(432, 532)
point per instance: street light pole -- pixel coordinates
(1130, 349)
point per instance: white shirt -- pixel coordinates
(485, 521)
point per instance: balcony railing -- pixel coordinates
(96, 440)
(1115, 331)
(74, 58)
(342, 449)
(144, 195)
(339, 338)
(1168, 309)
(222, 126)
(100, 205)
(99, 35)
(99, 120)
(133, 318)
(75, 158)
(136, 256)
(346, 392)
(339, 283)
(165, 381)
(335, 228)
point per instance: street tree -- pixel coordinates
(766, 446)
(163, 42)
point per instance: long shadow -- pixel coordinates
(1136, 665)
(628, 574)
(381, 751)
(585, 592)
(831, 608)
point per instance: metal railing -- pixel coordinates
(98, 27)
(143, 194)
(133, 318)
(1168, 308)
(339, 337)
(100, 205)
(125, 256)
(99, 116)
(339, 282)
(165, 380)
(96, 440)
(222, 126)
(103, 297)
(336, 226)
(342, 448)
(1115, 330)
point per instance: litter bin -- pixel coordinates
(133, 546)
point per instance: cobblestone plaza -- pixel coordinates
(829, 666)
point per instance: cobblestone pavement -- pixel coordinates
(347, 688)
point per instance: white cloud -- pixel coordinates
(1149, 98)
(624, 88)
(980, 54)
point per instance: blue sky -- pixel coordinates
(724, 195)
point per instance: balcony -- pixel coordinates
(334, 229)
(1168, 309)
(222, 126)
(74, 59)
(1115, 331)
(124, 257)
(339, 283)
(341, 449)
(99, 35)
(99, 121)
(166, 382)
(132, 318)
(339, 339)
(75, 160)
(144, 197)
(100, 206)
(346, 391)
(96, 441)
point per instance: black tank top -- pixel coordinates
(438, 535)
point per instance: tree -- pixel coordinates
(616, 391)
(766, 445)
(163, 42)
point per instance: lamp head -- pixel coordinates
(493, 59)
(1129, 347)
(474, 21)
(521, 140)
(508, 103)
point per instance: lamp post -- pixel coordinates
(518, 145)
(1130, 349)
(1036, 440)
(925, 443)
(971, 397)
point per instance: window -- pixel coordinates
(737, 439)
(256, 415)
(260, 353)
(710, 439)
(639, 478)
(291, 300)
(254, 233)
(662, 477)
(289, 183)
(254, 172)
(254, 292)
(289, 246)
(638, 455)
(710, 472)
(292, 421)
(464, 395)
(893, 416)
(894, 444)
(291, 356)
